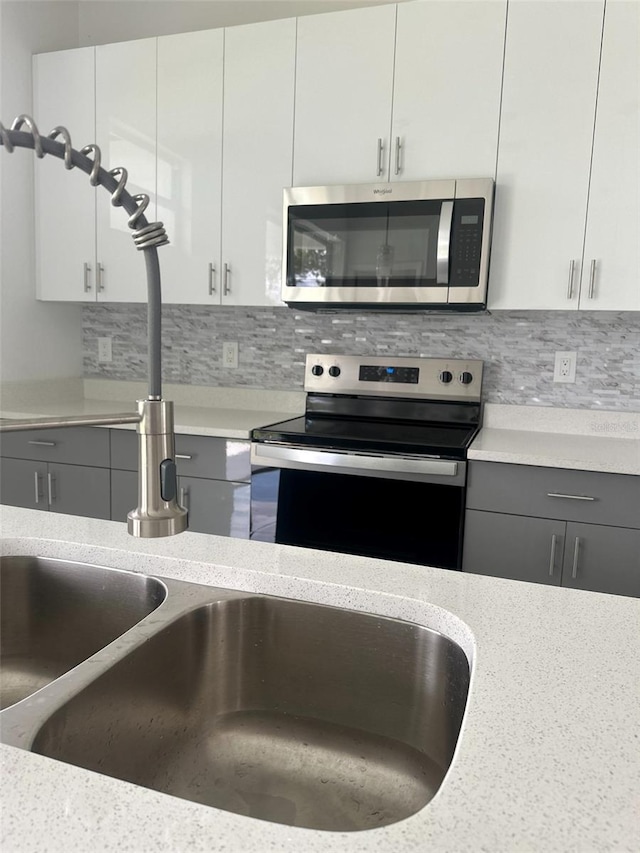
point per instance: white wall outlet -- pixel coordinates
(565, 367)
(230, 354)
(104, 350)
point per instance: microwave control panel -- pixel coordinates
(466, 242)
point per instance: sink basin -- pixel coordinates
(287, 711)
(55, 614)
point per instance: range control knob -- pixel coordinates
(466, 378)
(334, 371)
(445, 376)
(317, 370)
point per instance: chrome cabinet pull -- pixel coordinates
(212, 279)
(571, 497)
(552, 558)
(226, 287)
(576, 557)
(42, 443)
(87, 284)
(572, 267)
(592, 278)
(99, 283)
(183, 456)
(37, 484)
(184, 497)
(380, 153)
(51, 487)
(398, 148)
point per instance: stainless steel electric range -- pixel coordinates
(377, 464)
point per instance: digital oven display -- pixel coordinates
(406, 375)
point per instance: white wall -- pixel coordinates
(37, 340)
(104, 21)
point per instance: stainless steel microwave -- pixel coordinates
(419, 245)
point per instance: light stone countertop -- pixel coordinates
(547, 758)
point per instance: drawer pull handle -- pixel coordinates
(576, 557)
(572, 266)
(183, 456)
(380, 150)
(42, 443)
(184, 498)
(552, 559)
(571, 497)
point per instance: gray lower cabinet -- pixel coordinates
(58, 470)
(73, 489)
(578, 529)
(214, 481)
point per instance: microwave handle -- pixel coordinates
(444, 243)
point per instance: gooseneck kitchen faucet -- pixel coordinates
(158, 512)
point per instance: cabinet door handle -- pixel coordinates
(226, 287)
(37, 485)
(380, 153)
(576, 557)
(42, 443)
(51, 487)
(184, 497)
(398, 149)
(183, 456)
(572, 268)
(87, 284)
(99, 284)
(571, 497)
(592, 278)
(552, 558)
(212, 279)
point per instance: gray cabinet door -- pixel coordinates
(513, 546)
(602, 558)
(216, 506)
(79, 490)
(23, 483)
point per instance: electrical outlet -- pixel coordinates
(565, 367)
(104, 350)
(230, 354)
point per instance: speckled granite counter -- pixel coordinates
(560, 438)
(547, 759)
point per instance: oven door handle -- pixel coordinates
(295, 457)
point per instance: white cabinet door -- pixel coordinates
(190, 74)
(611, 270)
(448, 79)
(544, 154)
(344, 86)
(65, 213)
(259, 72)
(126, 134)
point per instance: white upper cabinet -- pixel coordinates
(448, 78)
(126, 134)
(344, 88)
(611, 269)
(190, 76)
(65, 202)
(259, 78)
(548, 106)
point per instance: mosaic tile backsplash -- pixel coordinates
(517, 348)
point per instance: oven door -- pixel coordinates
(408, 509)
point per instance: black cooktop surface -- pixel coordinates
(371, 436)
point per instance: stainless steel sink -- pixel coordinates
(55, 614)
(287, 711)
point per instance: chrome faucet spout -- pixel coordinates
(158, 513)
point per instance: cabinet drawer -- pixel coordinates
(74, 445)
(586, 496)
(196, 456)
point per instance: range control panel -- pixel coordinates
(395, 376)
